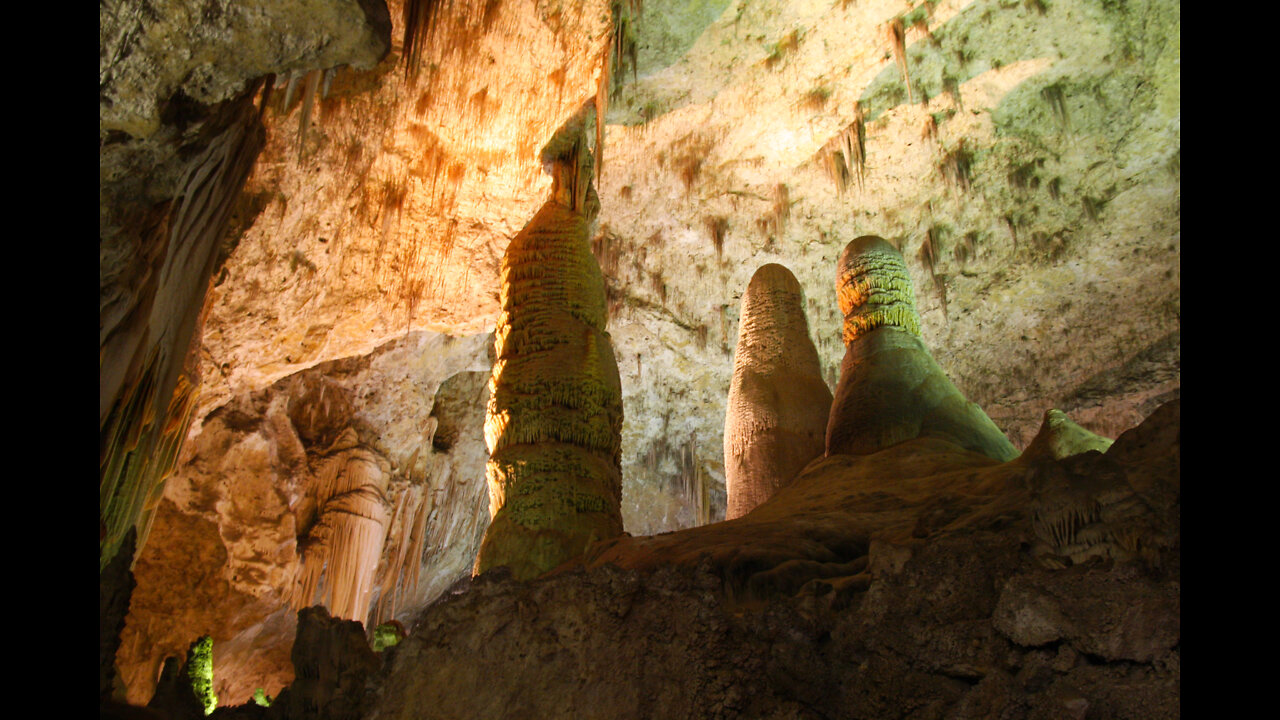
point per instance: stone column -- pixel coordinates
(554, 419)
(344, 546)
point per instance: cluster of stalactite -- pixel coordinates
(553, 424)
(891, 389)
(407, 539)
(844, 156)
(342, 548)
(148, 368)
(778, 404)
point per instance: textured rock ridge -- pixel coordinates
(554, 419)
(891, 389)
(778, 404)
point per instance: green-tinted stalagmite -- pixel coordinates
(778, 404)
(554, 420)
(891, 389)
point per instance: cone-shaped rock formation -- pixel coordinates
(778, 404)
(891, 389)
(554, 420)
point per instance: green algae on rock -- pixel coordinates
(891, 390)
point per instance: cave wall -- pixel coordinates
(1031, 180)
(227, 560)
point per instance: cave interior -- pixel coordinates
(639, 358)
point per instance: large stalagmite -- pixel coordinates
(554, 420)
(778, 404)
(891, 389)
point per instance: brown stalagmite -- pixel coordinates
(778, 404)
(554, 420)
(891, 389)
(345, 544)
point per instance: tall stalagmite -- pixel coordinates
(891, 389)
(554, 420)
(778, 404)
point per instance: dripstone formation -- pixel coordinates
(891, 389)
(778, 405)
(554, 419)
(342, 548)
(919, 569)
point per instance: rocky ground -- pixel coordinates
(956, 607)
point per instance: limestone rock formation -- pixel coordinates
(155, 276)
(1060, 437)
(237, 516)
(776, 418)
(554, 417)
(898, 584)
(179, 132)
(1024, 156)
(344, 541)
(333, 663)
(891, 389)
(892, 577)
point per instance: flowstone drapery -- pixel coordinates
(343, 547)
(891, 389)
(778, 404)
(554, 419)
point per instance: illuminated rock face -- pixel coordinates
(554, 420)
(891, 389)
(778, 404)
(345, 544)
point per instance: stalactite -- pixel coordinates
(291, 86)
(554, 420)
(146, 409)
(891, 389)
(419, 19)
(342, 550)
(778, 403)
(897, 41)
(309, 93)
(408, 537)
(844, 156)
